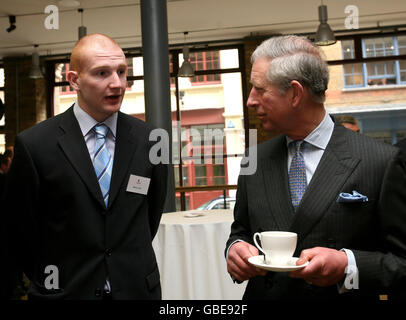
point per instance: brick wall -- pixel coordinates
(25, 98)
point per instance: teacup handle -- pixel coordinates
(256, 243)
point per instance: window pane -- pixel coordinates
(218, 170)
(219, 180)
(353, 76)
(63, 99)
(378, 47)
(381, 73)
(402, 44)
(200, 175)
(402, 67)
(208, 200)
(205, 60)
(2, 78)
(2, 120)
(348, 49)
(2, 143)
(185, 176)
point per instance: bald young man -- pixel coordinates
(84, 201)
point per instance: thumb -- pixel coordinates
(305, 255)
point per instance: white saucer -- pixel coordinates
(258, 261)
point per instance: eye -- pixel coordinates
(101, 73)
(259, 90)
(121, 72)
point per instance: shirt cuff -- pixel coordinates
(351, 279)
(228, 249)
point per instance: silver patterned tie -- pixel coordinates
(297, 174)
(102, 161)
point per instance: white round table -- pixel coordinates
(190, 256)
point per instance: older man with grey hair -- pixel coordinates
(341, 192)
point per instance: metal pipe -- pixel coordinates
(155, 51)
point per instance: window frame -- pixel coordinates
(359, 49)
(3, 127)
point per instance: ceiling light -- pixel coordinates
(82, 30)
(324, 35)
(12, 21)
(186, 70)
(35, 72)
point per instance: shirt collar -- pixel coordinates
(86, 122)
(320, 136)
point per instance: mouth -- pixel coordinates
(113, 98)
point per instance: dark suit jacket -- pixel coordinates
(58, 216)
(402, 146)
(2, 183)
(375, 230)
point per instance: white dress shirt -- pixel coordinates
(86, 123)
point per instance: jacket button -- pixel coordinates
(108, 252)
(98, 292)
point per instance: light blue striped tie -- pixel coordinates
(102, 161)
(297, 174)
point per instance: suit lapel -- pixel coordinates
(335, 166)
(124, 151)
(274, 173)
(73, 145)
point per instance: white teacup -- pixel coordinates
(277, 246)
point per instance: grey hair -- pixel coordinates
(294, 58)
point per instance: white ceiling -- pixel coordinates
(205, 20)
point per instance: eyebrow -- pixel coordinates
(106, 66)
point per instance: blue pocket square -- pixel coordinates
(354, 197)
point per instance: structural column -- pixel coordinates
(156, 77)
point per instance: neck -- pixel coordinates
(309, 120)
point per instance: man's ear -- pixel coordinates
(73, 78)
(297, 92)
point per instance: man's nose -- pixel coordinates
(116, 80)
(252, 99)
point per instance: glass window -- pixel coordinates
(378, 47)
(353, 75)
(202, 61)
(401, 45)
(2, 143)
(379, 73)
(2, 120)
(200, 175)
(348, 49)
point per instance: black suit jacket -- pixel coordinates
(58, 217)
(402, 146)
(375, 230)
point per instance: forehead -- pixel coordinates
(108, 56)
(259, 70)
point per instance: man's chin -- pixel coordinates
(270, 128)
(112, 107)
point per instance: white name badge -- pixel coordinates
(138, 184)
